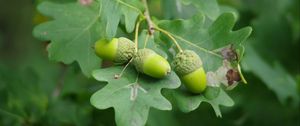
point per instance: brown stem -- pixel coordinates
(148, 18)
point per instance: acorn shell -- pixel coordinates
(140, 57)
(195, 81)
(106, 49)
(188, 66)
(150, 63)
(118, 50)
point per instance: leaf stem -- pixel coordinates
(152, 27)
(148, 18)
(136, 35)
(171, 37)
(241, 74)
(200, 48)
(146, 40)
(188, 42)
(120, 75)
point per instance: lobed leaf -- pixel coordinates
(188, 102)
(195, 35)
(208, 7)
(130, 97)
(113, 10)
(75, 28)
(205, 40)
(72, 33)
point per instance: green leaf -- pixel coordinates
(275, 77)
(205, 40)
(113, 10)
(170, 8)
(75, 28)
(130, 97)
(72, 33)
(188, 102)
(208, 7)
(162, 118)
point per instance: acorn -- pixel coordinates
(188, 66)
(119, 50)
(150, 63)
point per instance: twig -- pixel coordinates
(148, 18)
(171, 37)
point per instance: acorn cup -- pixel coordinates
(119, 50)
(150, 63)
(188, 66)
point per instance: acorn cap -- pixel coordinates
(140, 57)
(125, 50)
(186, 62)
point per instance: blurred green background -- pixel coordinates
(36, 91)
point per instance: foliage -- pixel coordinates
(71, 35)
(35, 91)
(132, 108)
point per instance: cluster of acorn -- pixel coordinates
(187, 64)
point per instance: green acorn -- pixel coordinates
(150, 63)
(118, 50)
(188, 66)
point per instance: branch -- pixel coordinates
(148, 18)
(151, 27)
